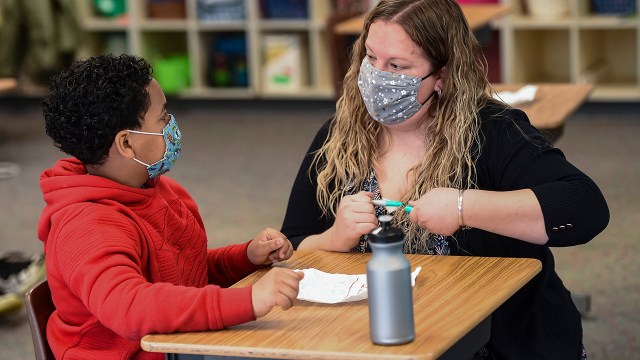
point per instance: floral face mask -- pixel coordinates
(390, 98)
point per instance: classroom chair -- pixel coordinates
(39, 307)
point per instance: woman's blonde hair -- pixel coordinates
(346, 158)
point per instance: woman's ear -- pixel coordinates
(440, 77)
(124, 145)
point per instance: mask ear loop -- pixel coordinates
(427, 99)
(146, 133)
(433, 92)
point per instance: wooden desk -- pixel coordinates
(552, 106)
(477, 17)
(453, 300)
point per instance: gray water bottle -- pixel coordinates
(389, 287)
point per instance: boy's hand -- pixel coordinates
(268, 247)
(278, 287)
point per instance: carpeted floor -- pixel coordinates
(239, 161)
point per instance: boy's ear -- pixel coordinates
(123, 145)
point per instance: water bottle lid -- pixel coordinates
(385, 233)
(385, 219)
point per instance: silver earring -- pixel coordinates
(439, 92)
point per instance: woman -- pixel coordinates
(417, 124)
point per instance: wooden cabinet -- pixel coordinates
(579, 47)
(209, 45)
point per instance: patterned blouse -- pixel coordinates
(437, 244)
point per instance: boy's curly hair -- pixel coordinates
(92, 100)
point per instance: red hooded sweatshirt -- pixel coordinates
(124, 262)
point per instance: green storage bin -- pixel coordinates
(172, 73)
(110, 8)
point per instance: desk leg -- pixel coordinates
(582, 302)
(470, 343)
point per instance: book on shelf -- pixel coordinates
(283, 63)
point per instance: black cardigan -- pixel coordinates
(540, 321)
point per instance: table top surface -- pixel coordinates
(477, 17)
(553, 103)
(451, 296)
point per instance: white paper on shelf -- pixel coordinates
(321, 287)
(525, 94)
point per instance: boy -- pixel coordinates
(125, 246)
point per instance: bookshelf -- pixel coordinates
(579, 47)
(223, 51)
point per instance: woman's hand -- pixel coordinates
(516, 214)
(355, 217)
(268, 247)
(437, 211)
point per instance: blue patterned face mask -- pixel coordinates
(172, 139)
(390, 98)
